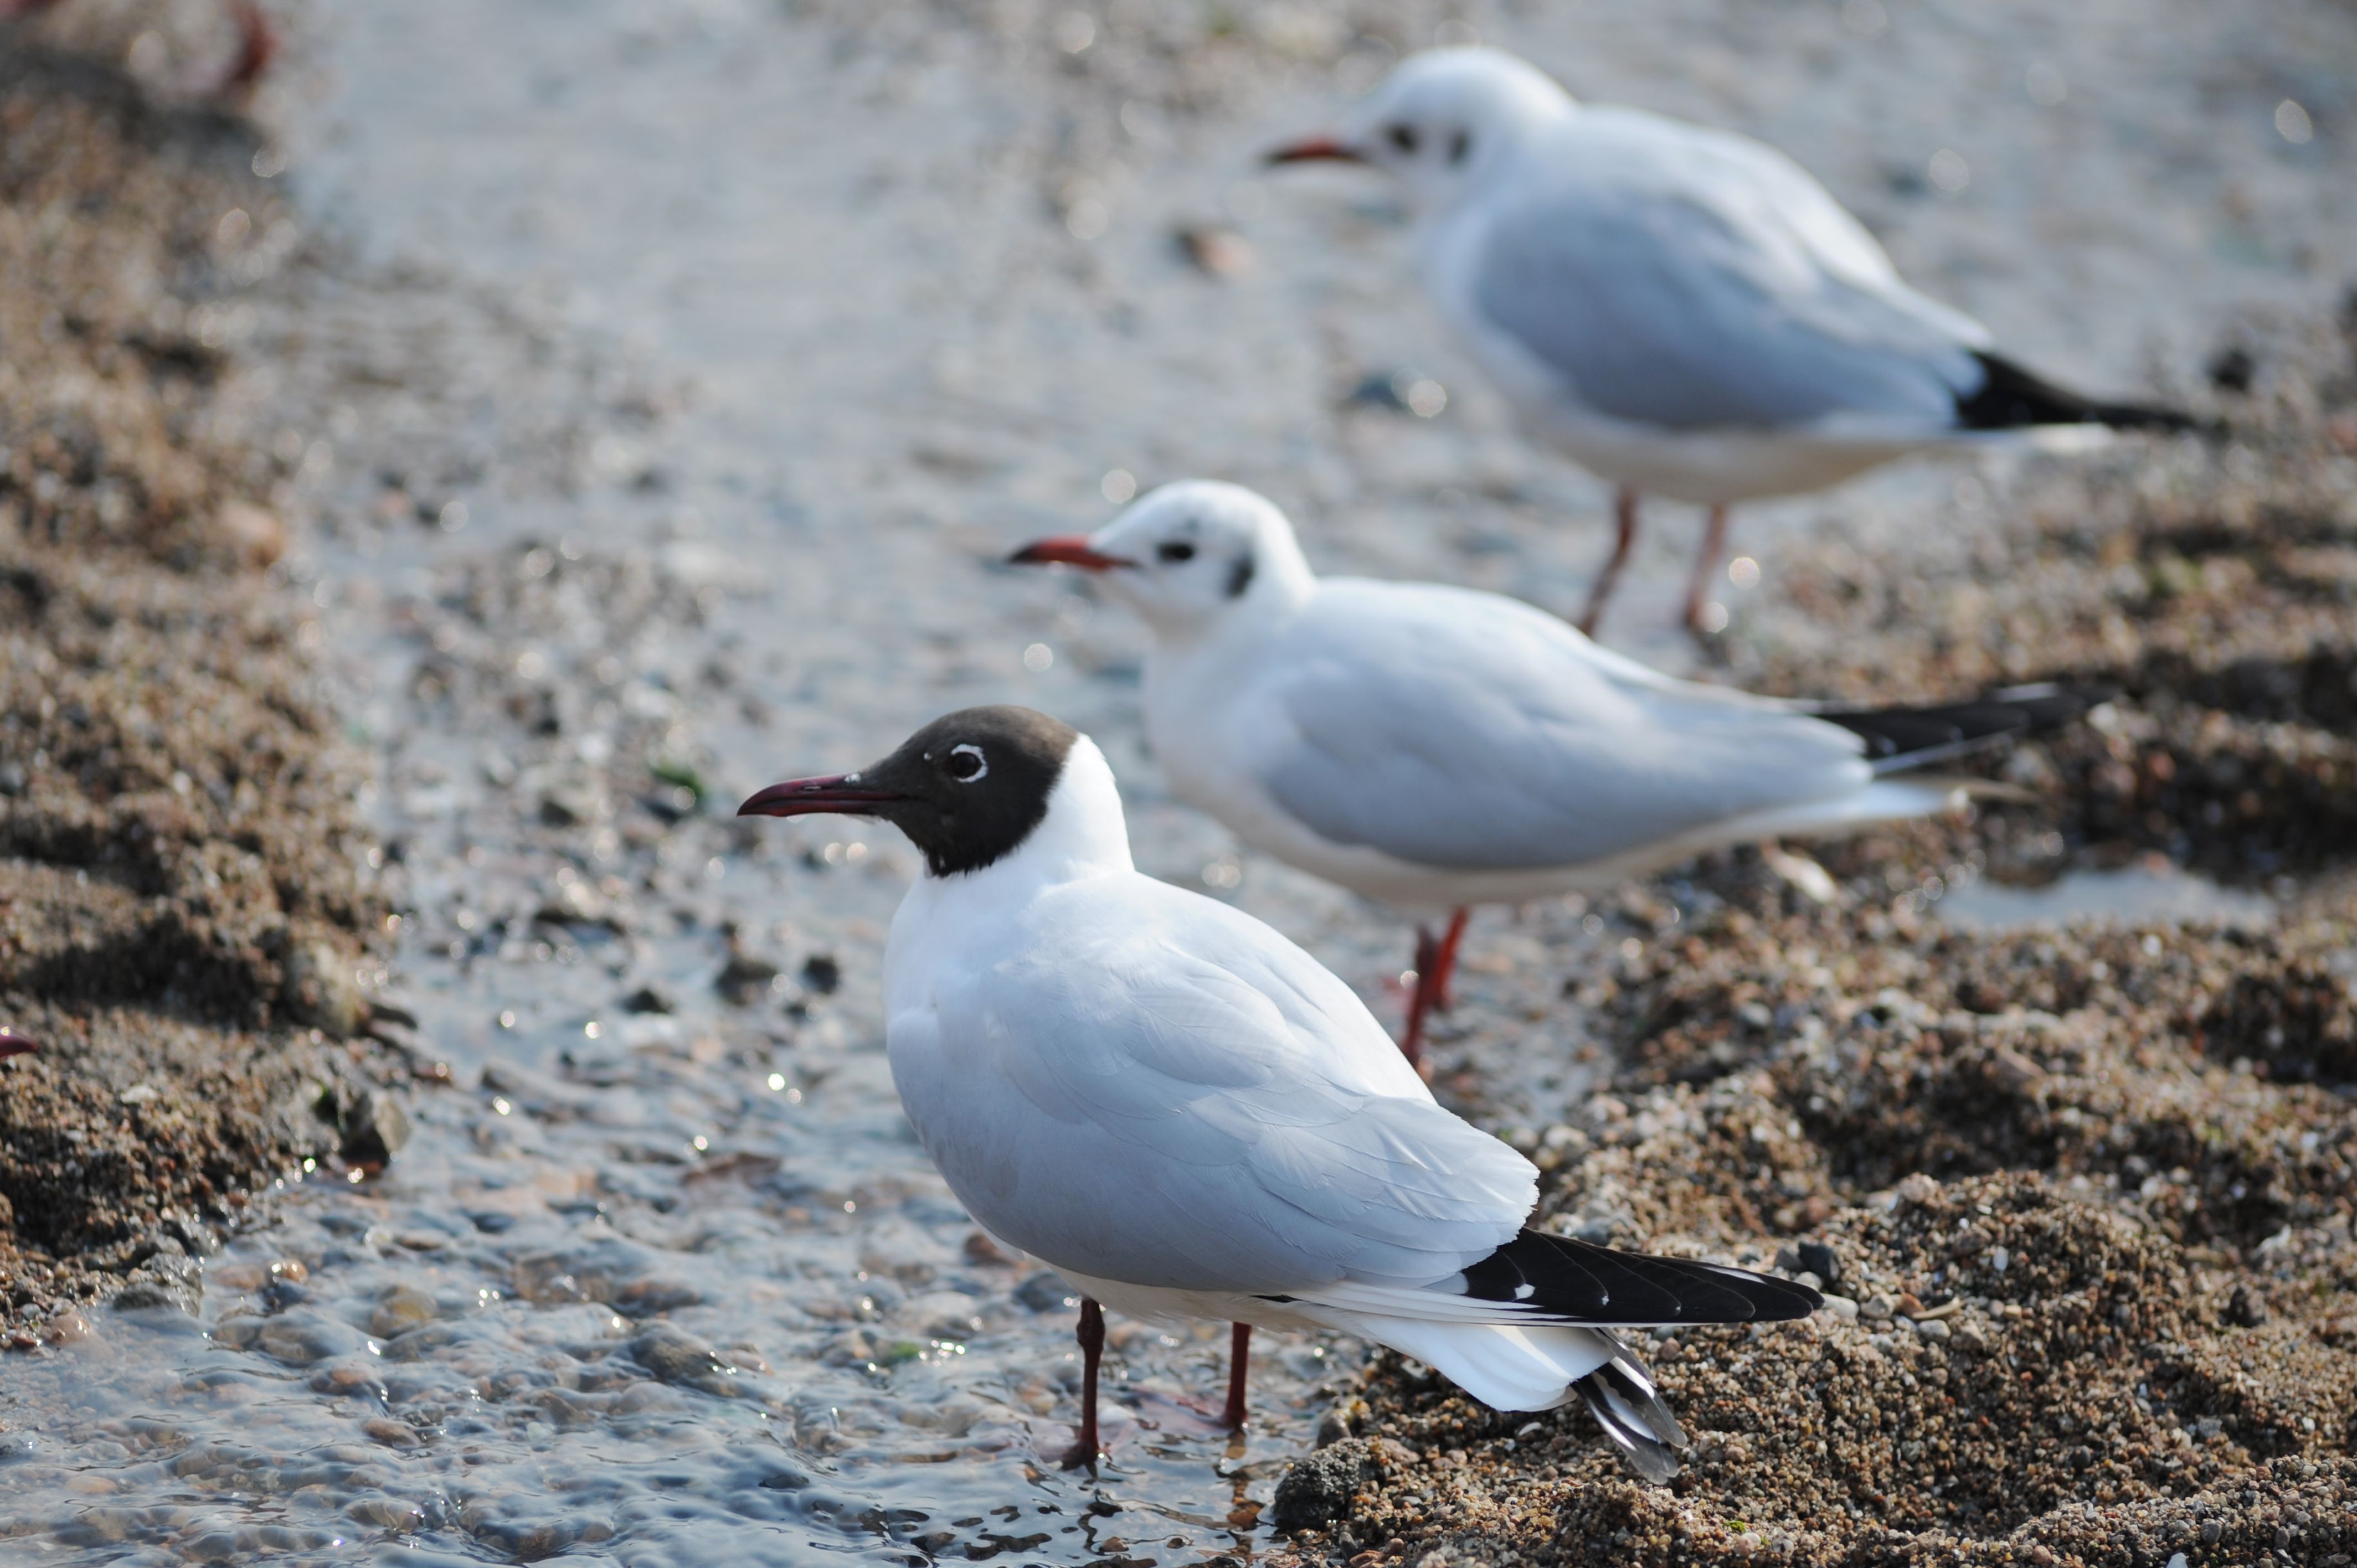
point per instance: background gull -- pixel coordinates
(1186, 1115)
(1681, 310)
(1432, 747)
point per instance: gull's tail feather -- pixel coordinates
(1531, 1326)
(1621, 1397)
(2012, 398)
(1900, 738)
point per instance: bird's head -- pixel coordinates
(1441, 121)
(1189, 556)
(967, 789)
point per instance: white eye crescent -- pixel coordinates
(966, 764)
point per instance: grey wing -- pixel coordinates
(1706, 296)
(1161, 1106)
(1462, 731)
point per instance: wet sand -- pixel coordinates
(2084, 1194)
(186, 920)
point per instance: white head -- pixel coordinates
(1192, 557)
(1443, 120)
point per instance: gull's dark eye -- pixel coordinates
(965, 764)
(1459, 145)
(1178, 550)
(1402, 137)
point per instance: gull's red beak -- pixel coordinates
(836, 794)
(13, 1044)
(1314, 149)
(1066, 550)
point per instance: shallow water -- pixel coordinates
(742, 341)
(2123, 896)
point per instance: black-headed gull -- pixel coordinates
(1185, 1115)
(1431, 748)
(1683, 311)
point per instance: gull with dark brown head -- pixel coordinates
(1186, 1116)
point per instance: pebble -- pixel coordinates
(401, 1308)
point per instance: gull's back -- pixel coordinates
(1689, 279)
(1459, 729)
(1138, 1083)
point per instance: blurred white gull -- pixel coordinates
(1186, 1116)
(1431, 748)
(1683, 311)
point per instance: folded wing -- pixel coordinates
(1684, 278)
(1465, 730)
(1170, 1094)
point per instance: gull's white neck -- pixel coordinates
(1083, 836)
(1084, 833)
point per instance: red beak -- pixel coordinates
(1314, 149)
(13, 1044)
(1066, 550)
(836, 794)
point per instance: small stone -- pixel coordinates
(1935, 1330)
(1043, 1292)
(675, 1357)
(822, 973)
(321, 989)
(146, 1294)
(745, 978)
(1908, 1305)
(1318, 1490)
(1878, 1309)
(392, 1433)
(1843, 1307)
(401, 1308)
(374, 1127)
(980, 1251)
(1818, 1259)
(255, 534)
(1218, 253)
(646, 999)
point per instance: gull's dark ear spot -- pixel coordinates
(1239, 577)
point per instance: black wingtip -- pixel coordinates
(1571, 1281)
(2011, 397)
(1902, 737)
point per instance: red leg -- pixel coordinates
(1091, 1334)
(1239, 1352)
(1443, 962)
(258, 45)
(1419, 997)
(1714, 544)
(1624, 518)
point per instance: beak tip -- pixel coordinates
(1064, 550)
